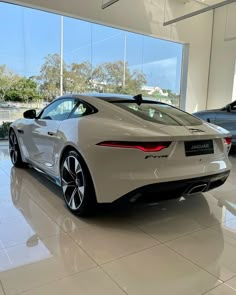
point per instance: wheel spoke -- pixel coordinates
(67, 167)
(72, 199)
(77, 166)
(80, 197)
(14, 140)
(67, 184)
(65, 187)
(81, 190)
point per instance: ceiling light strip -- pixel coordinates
(108, 3)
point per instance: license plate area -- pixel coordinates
(198, 147)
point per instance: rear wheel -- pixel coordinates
(14, 151)
(77, 184)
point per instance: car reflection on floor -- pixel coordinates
(28, 189)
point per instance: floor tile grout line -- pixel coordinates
(113, 280)
(162, 244)
(33, 262)
(98, 265)
(127, 223)
(1, 286)
(229, 285)
(189, 234)
(45, 213)
(194, 263)
(223, 283)
(225, 234)
(56, 280)
(150, 235)
(212, 289)
(201, 229)
(230, 279)
(127, 255)
(82, 249)
(171, 240)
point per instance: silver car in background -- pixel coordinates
(224, 117)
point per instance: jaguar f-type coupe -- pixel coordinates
(100, 148)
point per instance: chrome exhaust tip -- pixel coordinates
(196, 189)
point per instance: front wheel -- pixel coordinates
(77, 185)
(14, 151)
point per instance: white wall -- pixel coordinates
(223, 58)
(147, 16)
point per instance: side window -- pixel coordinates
(82, 109)
(59, 110)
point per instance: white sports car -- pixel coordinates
(101, 147)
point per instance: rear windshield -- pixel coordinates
(159, 113)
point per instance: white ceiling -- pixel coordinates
(141, 16)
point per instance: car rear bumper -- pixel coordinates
(182, 187)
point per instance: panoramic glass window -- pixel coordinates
(36, 67)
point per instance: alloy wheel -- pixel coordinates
(73, 182)
(13, 147)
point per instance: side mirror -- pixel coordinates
(30, 114)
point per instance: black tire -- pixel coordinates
(14, 151)
(77, 185)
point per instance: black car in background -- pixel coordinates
(224, 117)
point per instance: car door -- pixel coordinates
(43, 135)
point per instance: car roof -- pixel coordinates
(110, 97)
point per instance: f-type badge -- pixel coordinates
(156, 157)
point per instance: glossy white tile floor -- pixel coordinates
(180, 247)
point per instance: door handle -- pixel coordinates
(51, 133)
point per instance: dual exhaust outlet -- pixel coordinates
(194, 189)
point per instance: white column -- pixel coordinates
(61, 54)
(124, 71)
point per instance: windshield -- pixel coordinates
(159, 113)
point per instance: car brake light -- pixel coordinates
(143, 146)
(228, 140)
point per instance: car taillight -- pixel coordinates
(143, 146)
(228, 140)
